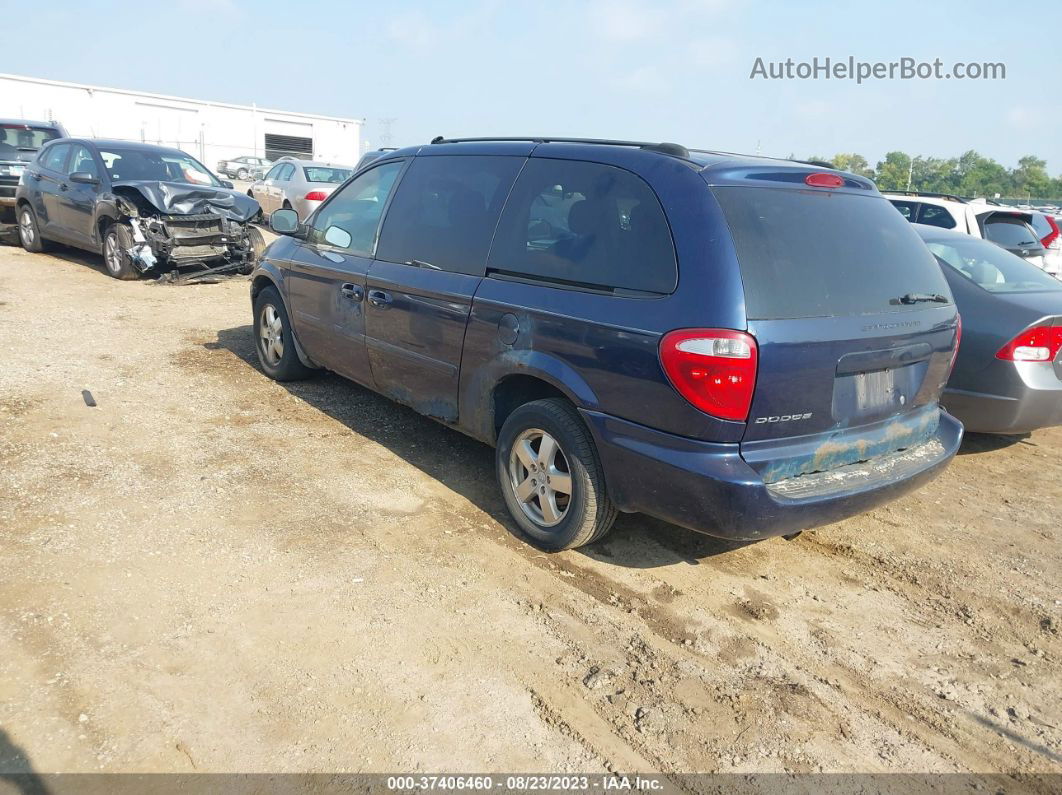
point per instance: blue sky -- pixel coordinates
(674, 70)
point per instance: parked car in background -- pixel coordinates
(20, 140)
(1008, 375)
(300, 185)
(146, 208)
(1047, 228)
(763, 356)
(1004, 226)
(371, 155)
(243, 168)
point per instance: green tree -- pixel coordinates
(1030, 178)
(981, 176)
(893, 171)
(853, 163)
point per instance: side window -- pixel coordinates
(445, 211)
(936, 216)
(585, 224)
(356, 210)
(274, 171)
(907, 209)
(55, 158)
(284, 175)
(83, 161)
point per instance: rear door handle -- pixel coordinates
(352, 291)
(379, 298)
(62, 186)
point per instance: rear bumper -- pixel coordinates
(710, 488)
(983, 413)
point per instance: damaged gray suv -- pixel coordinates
(148, 209)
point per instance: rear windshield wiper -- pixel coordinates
(918, 298)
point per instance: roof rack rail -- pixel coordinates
(928, 194)
(676, 150)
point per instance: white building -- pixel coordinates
(210, 131)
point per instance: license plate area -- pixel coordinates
(874, 394)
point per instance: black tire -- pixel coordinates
(588, 513)
(117, 260)
(242, 174)
(286, 366)
(257, 244)
(27, 225)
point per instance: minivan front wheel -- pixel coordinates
(551, 478)
(273, 340)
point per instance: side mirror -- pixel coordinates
(84, 178)
(226, 184)
(337, 236)
(284, 222)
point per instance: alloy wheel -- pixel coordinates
(540, 477)
(111, 255)
(271, 335)
(25, 228)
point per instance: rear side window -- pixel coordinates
(908, 210)
(818, 254)
(585, 224)
(54, 158)
(1010, 232)
(445, 210)
(936, 216)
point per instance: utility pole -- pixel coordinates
(385, 130)
(910, 173)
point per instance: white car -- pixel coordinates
(1007, 227)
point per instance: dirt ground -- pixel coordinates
(211, 571)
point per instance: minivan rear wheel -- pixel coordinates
(273, 340)
(551, 477)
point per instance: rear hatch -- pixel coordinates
(854, 322)
(1012, 230)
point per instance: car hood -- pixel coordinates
(182, 199)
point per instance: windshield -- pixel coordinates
(809, 253)
(14, 137)
(162, 165)
(991, 267)
(325, 174)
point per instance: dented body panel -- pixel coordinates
(171, 224)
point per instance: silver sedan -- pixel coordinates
(300, 185)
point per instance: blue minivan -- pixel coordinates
(746, 347)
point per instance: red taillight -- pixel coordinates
(316, 196)
(820, 180)
(1053, 235)
(1037, 344)
(714, 369)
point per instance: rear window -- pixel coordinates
(14, 137)
(1041, 225)
(936, 216)
(991, 267)
(325, 174)
(817, 254)
(1010, 232)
